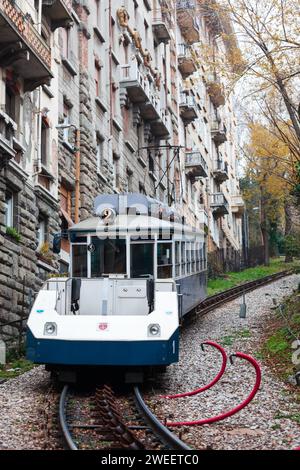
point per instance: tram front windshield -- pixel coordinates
(108, 257)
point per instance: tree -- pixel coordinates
(262, 39)
(266, 159)
(269, 34)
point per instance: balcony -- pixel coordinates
(160, 28)
(220, 171)
(188, 108)
(188, 21)
(237, 205)
(219, 133)
(22, 47)
(186, 62)
(7, 132)
(59, 12)
(219, 205)
(215, 90)
(142, 92)
(195, 165)
(203, 217)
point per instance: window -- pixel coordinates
(188, 257)
(79, 260)
(146, 31)
(129, 178)
(126, 53)
(115, 172)
(183, 265)
(42, 232)
(193, 258)
(198, 257)
(66, 122)
(63, 268)
(65, 50)
(66, 216)
(98, 78)
(114, 100)
(44, 142)
(142, 189)
(98, 8)
(142, 259)
(177, 259)
(9, 210)
(108, 257)
(10, 102)
(99, 153)
(151, 163)
(164, 260)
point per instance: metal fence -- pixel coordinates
(222, 261)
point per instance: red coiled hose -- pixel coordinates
(235, 410)
(213, 382)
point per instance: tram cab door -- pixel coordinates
(142, 265)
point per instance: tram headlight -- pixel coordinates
(50, 329)
(154, 329)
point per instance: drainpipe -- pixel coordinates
(166, 100)
(110, 79)
(39, 116)
(77, 175)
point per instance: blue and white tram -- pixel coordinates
(136, 270)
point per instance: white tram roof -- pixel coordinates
(135, 224)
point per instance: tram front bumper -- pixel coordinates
(103, 353)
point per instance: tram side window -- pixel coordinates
(183, 266)
(198, 257)
(193, 256)
(202, 262)
(164, 260)
(177, 259)
(79, 260)
(188, 257)
(108, 257)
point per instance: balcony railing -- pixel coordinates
(23, 47)
(237, 205)
(195, 164)
(142, 92)
(219, 204)
(186, 62)
(188, 107)
(215, 90)
(136, 82)
(187, 20)
(160, 28)
(219, 132)
(186, 4)
(59, 12)
(203, 216)
(7, 132)
(220, 170)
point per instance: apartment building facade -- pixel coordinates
(106, 96)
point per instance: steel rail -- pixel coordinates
(164, 434)
(210, 303)
(63, 419)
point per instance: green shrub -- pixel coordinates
(13, 233)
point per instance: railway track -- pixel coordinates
(214, 301)
(112, 425)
